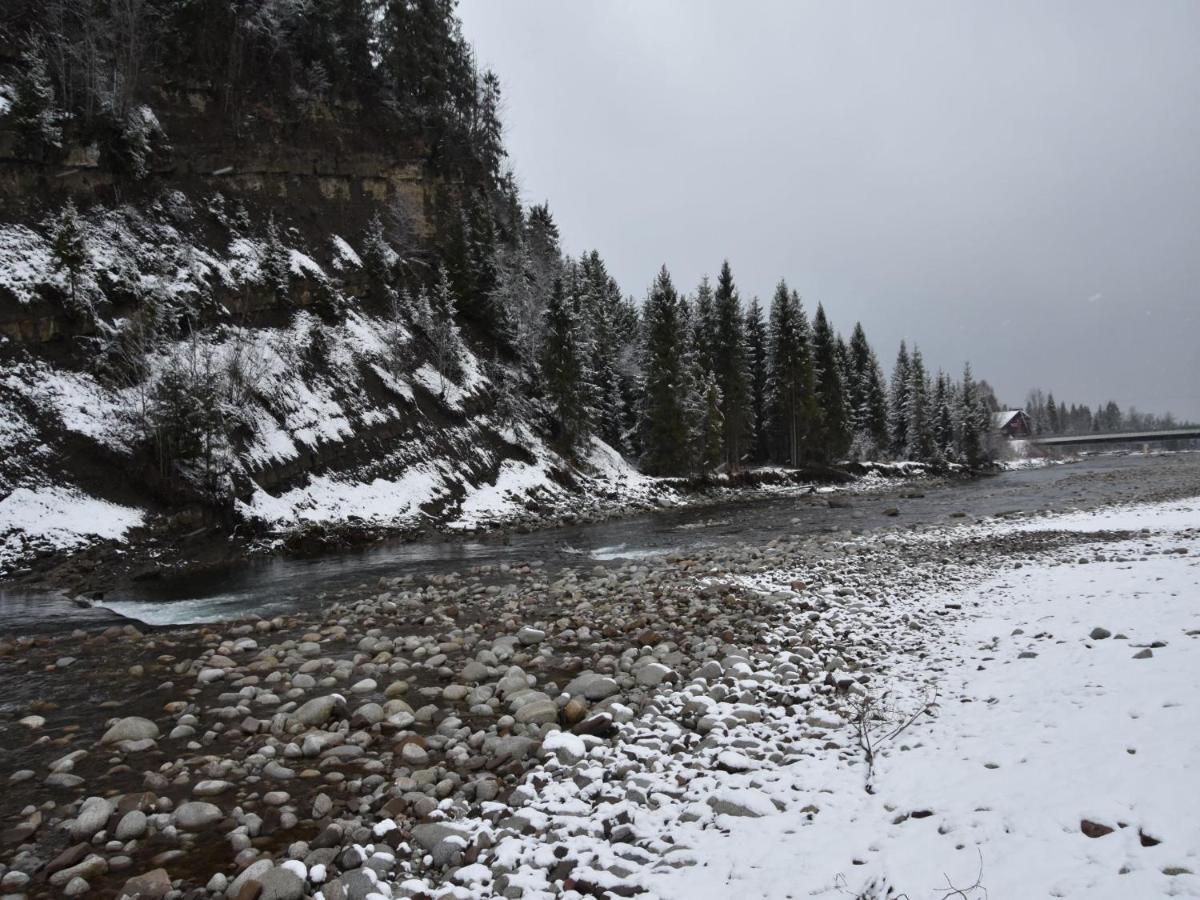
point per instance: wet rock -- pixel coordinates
(317, 711)
(253, 873)
(92, 816)
(131, 728)
(153, 885)
(1099, 634)
(212, 788)
(196, 815)
(132, 825)
(538, 712)
(280, 883)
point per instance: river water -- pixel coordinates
(279, 585)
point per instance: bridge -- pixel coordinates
(1120, 437)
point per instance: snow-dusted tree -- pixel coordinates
(601, 302)
(791, 403)
(444, 336)
(866, 400)
(276, 261)
(69, 250)
(33, 111)
(974, 422)
(379, 259)
(564, 372)
(898, 405)
(943, 418)
(832, 438)
(708, 423)
(920, 422)
(704, 325)
(756, 346)
(731, 365)
(663, 425)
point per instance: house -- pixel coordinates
(1012, 423)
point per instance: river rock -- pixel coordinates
(196, 815)
(132, 825)
(538, 712)
(212, 787)
(280, 884)
(317, 711)
(131, 728)
(92, 816)
(253, 872)
(153, 885)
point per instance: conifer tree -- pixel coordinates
(790, 402)
(832, 439)
(564, 372)
(943, 418)
(664, 427)
(731, 367)
(898, 405)
(756, 346)
(866, 401)
(974, 420)
(704, 326)
(920, 426)
(276, 261)
(68, 249)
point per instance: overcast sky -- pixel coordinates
(1015, 183)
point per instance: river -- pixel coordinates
(280, 585)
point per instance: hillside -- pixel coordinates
(234, 302)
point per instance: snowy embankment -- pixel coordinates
(1029, 701)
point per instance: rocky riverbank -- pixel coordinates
(456, 730)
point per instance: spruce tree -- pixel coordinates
(276, 261)
(920, 446)
(832, 438)
(704, 326)
(68, 249)
(866, 401)
(974, 422)
(792, 410)
(731, 367)
(943, 418)
(756, 346)
(564, 372)
(898, 405)
(663, 426)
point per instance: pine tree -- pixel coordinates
(756, 346)
(731, 367)
(791, 406)
(943, 418)
(378, 259)
(1053, 425)
(437, 314)
(276, 261)
(601, 303)
(920, 446)
(832, 439)
(33, 111)
(974, 422)
(704, 326)
(709, 424)
(68, 249)
(564, 372)
(866, 401)
(664, 427)
(898, 405)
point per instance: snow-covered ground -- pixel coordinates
(1018, 752)
(60, 519)
(1039, 729)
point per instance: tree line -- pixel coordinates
(1049, 417)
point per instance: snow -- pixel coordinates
(344, 255)
(61, 518)
(326, 499)
(25, 262)
(1021, 728)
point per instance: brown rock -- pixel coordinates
(1094, 829)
